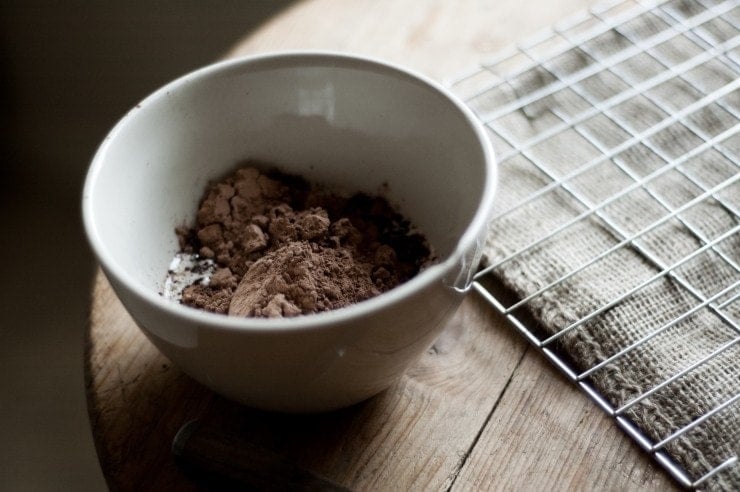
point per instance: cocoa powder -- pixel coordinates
(284, 248)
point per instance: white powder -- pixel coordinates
(186, 269)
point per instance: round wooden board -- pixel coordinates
(479, 410)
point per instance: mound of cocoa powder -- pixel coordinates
(284, 248)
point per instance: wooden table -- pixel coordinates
(479, 410)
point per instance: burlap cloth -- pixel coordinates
(708, 176)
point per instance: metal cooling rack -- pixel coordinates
(712, 32)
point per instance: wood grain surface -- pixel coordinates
(479, 411)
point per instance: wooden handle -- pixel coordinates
(208, 454)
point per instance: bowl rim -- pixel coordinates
(325, 319)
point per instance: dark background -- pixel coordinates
(68, 71)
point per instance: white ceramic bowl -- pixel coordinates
(344, 121)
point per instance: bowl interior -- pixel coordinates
(348, 123)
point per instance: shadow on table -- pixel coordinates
(68, 71)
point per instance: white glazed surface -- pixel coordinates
(352, 123)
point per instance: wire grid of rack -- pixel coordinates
(581, 82)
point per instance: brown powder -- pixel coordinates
(284, 249)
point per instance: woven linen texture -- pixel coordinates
(617, 211)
